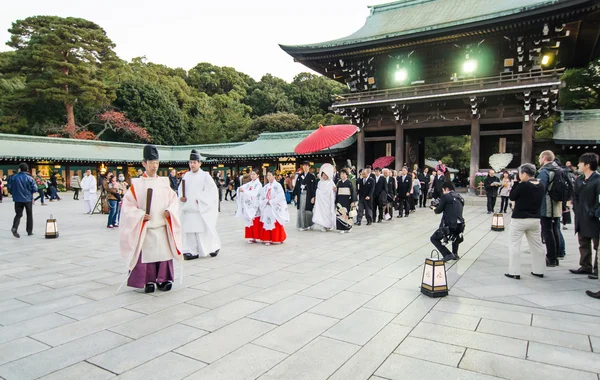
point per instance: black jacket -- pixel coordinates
(310, 185)
(586, 204)
(365, 189)
(173, 182)
(379, 186)
(451, 205)
(491, 191)
(391, 188)
(404, 186)
(424, 180)
(438, 182)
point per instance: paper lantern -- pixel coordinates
(51, 228)
(434, 282)
(498, 222)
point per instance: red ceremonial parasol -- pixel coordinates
(325, 137)
(384, 161)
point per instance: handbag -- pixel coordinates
(352, 212)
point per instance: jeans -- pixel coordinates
(76, 194)
(19, 206)
(53, 193)
(491, 203)
(562, 249)
(40, 196)
(118, 218)
(551, 237)
(112, 214)
(503, 204)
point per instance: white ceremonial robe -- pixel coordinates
(158, 239)
(89, 187)
(199, 214)
(324, 212)
(248, 201)
(273, 206)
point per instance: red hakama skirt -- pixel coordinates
(254, 231)
(276, 235)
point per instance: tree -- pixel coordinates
(114, 121)
(214, 80)
(582, 88)
(63, 60)
(277, 122)
(270, 95)
(313, 94)
(454, 151)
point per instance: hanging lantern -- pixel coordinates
(51, 228)
(498, 222)
(434, 282)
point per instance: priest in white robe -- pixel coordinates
(248, 207)
(273, 212)
(199, 198)
(150, 229)
(89, 187)
(325, 211)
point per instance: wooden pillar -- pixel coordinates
(399, 146)
(475, 151)
(360, 152)
(527, 141)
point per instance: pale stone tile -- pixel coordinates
(19, 348)
(595, 341)
(518, 369)
(306, 266)
(270, 279)
(565, 325)
(452, 320)
(370, 357)
(80, 371)
(360, 326)
(398, 367)
(326, 289)
(217, 344)
(248, 362)
(558, 298)
(153, 305)
(11, 304)
(343, 264)
(317, 360)
(341, 305)
(416, 311)
(24, 291)
(471, 339)
(292, 335)
(149, 324)
(286, 309)
(223, 282)
(221, 316)
(315, 276)
(278, 292)
(75, 280)
(564, 357)
(358, 273)
(393, 300)
(379, 262)
(436, 352)
(98, 307)
(130, 355)
(222, 297)
(61, 293)
(56, 358)
(169, 366)
(30, 312)
(535, 334)
(76, 330)
(485, 312)
(373, 285)
(32, 326)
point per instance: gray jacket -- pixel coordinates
(550, 208)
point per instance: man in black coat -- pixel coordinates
(404, 188)
(379, 196)
(366, 187)
(452, 224)
(586, 205)
(424, 181)
(438, 182)
(491, 183)
(390, 188)
(305, 191)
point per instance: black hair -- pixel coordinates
(368, 167)
(23, 167)
(378, 169)
(344, 170)
(305, 163)
(590, 159)
(448, 185)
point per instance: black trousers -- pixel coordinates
(503, 204)
(586, 255)
(438, 236)
(423, 199)
(76, 194)
(365, 207)
(377, 209)
(19, 207)
(403, 206)
(551, 237)
(228, 192)
(491, 203)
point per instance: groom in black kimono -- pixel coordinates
(304, 191)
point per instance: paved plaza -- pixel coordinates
(320, 306)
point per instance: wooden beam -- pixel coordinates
(527, 142)
(399, 146)
(447, 123)
(384, 138)
(475, 151)
(501, 132)
(360, 150)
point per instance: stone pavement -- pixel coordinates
(321, 306)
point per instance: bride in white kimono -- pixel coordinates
(273, 212)
(324, 213)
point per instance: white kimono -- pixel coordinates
(158, 239)
(89, 186)
(199, 214)
(248, 205)
(273, 206)
(324, 212)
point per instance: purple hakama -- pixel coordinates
(145, 273)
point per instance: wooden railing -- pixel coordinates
(506, 80)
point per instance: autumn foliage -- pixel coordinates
(109, 121)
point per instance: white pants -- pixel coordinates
(89, 204)
(192, 244)
(531, 229)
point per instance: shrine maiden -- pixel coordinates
(150, 238)
(199, 206)
(273, 211)
(248, 207)
(325, 210)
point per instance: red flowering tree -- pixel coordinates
(108, 121)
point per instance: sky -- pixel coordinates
(243, 34)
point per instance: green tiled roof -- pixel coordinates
(407, 17)
(578, 127)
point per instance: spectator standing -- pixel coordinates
(551, 210)
(424, 181)
(53, 187)
(506, 187)
(173, 181)
(112, 196)
(41, 187)
(89, 187)
(122, 187)
(491, 184)
(4, 190)
(76, 186)
(528, 196)
(22, 187)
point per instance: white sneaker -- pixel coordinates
(267, 243)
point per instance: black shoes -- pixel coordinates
(369, 223)
(189, 256)
(449, 257)
(215, 253)
(515, 276)
(164, 286)
(15, 233)
(357, 224)
(595, 295)
(580, 271)
(29, 233)
(552, 264)
(538, 275)
(593, 276)
(149, 288)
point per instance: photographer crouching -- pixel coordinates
(452, 224)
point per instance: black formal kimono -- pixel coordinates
(305, 190)
(379, 198)
(346, 195)
(390, 185)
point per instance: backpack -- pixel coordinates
(560, 189)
